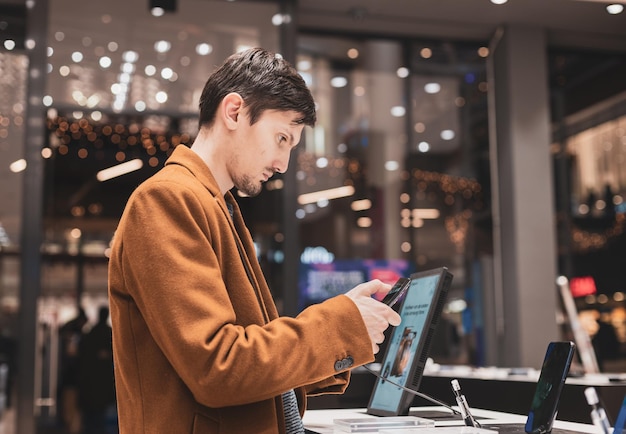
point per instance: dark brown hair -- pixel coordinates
(264, 80)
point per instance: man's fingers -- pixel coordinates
(394, 318)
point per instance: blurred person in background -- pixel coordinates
(96, 384)
(70, 335)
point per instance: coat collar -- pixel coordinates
(185, 157)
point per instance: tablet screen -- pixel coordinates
(407, 350)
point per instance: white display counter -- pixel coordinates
(323, 421)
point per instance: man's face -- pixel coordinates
(260, 150)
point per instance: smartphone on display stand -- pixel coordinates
(397, 292)
(544, 406)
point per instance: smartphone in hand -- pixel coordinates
(397, 292)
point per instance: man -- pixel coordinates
(70, 335)
(197, 341)
(96, 382)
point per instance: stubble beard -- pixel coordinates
(248, 186)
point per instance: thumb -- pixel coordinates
(394, 318)
(373, 287)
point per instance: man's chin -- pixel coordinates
(249, 192)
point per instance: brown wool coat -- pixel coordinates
(198, 345)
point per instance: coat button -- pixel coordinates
(343, 364)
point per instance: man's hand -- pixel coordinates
(376, 315)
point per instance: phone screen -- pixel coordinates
(545, 402)
(397, 292)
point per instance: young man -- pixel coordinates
(198, 344)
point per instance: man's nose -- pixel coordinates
(282, 163)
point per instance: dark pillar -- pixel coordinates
(32, 209)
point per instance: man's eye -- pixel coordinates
(282, 138)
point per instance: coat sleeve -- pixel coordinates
(173, 267)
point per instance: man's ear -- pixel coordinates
(231, 109)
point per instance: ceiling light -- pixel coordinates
(280, 19)
(105, 62)
(417, 223)
(323, 203)
(398, 111)
(93, 100)
(119, 170)
(128, 68)
(447, 135)
(167, 73)
(130, 56)
(403, 72)
(338, 82)
(159, 7)
(18, 166)
(332, 193)
(204, 49)
(391, 165)
(432, 88)
(425, 213)
(423, 146)
(118, 104)
(499, 2)
(321, 162)
(615, 9)
(161, 96)
(361, 205)
(124, 80)
(149, 70)
(9, 44)
(364, 222)
(46, 153)
(456, 306)
(162, 46)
